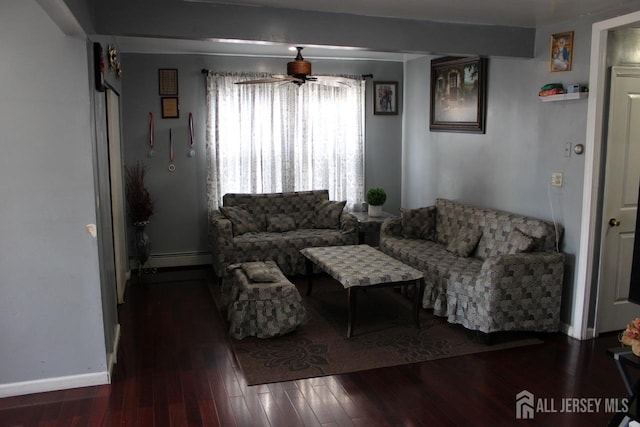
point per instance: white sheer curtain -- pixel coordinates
(280, 137)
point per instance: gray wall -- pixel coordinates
(510, 166)
(180, 222)
(51, 322)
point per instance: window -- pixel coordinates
(266, 138)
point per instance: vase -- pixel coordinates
(375, 211)
(143, 243)
(633, 343)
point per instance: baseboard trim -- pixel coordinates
(570, 331)
(53, 384)
(176, 259)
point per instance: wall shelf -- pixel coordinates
(564, 97)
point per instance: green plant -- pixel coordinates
(376, 196)
(136, 193)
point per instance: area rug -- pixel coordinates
(384, 335)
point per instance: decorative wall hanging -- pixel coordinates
(172, 167)
(114, 62)
(561, 52)
(192, 152)
(170, 109)
(152, 136)
(385, 98)
(168, 82)
(458, 87)
(98, 66)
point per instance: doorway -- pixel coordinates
(620, 201)
(587, 271)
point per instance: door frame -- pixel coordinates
(587, 270)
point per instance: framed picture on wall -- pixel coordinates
(385, 98)
(458, 87)
(170, 109)
(561, 52)
(168, 82)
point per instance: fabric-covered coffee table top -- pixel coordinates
(360, 265)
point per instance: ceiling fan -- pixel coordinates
(298, 72)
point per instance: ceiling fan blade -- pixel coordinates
(253, 82)
(277, 78)
(330, 80)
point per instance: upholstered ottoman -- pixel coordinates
(262, 302)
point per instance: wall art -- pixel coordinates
(458, 93)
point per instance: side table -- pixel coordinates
(369, 227)
(625, 359)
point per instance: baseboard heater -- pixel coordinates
(176, 259)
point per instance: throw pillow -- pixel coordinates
(464, 242)
(328, 214)
(518, 242)
(419, 223)
(261, 272)
(241, 220)
(279, 223)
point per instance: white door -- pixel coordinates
(622, 177)
(117, 189)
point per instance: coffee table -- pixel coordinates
(359, 267)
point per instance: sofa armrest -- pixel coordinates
(391, 227)
(348, 223)
(521, 291)
(221, 240)
(506, 269)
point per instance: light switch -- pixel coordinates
(556, 179)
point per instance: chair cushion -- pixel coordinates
(464, 242)
(241, 220)
(261, 271)
(518, 242)
(328, 214)
(419, 223)
(280, 222)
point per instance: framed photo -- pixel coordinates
(385, 98)
(561, 54)
(458, 92)
(170, 108)
(168, 82)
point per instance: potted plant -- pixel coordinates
(375, 198)
(140, 208)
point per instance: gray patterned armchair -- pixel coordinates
(275, 226)
(484, 269)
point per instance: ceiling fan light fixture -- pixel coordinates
(299, 67)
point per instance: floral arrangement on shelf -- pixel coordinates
(137, 195)
(631, 336)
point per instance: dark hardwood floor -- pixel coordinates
(175, 368)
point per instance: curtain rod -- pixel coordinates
(364, 76)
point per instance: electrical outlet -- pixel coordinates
(567, 149)
(556, 179)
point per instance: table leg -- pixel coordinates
(352, 299)
(309, 266)
(418, 292)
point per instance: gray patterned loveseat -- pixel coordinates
(485, 269)
(275, 226)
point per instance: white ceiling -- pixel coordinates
(519, 13)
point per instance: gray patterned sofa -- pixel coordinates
(275, 226)
(484, 269)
